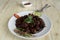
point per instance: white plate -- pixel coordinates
(11, 25)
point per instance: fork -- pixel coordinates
(41, 10)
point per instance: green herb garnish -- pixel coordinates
(27, 35)
(29, 19)
(37, 13)
(20, 29)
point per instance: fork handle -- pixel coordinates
(46, 6)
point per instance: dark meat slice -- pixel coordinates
(42, 24)
(33, 31)
(32, 28)
(25, 16)
(27, 30)
(36, 18)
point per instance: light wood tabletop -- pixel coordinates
(9, 7)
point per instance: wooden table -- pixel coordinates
(9, 7)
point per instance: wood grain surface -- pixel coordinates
(9, 7)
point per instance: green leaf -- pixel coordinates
(37, 13)
(29, 19)
(27, 35)
(20, 29)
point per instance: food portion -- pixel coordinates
(17, 16)
(29, 24)
(37, 13)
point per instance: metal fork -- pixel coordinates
(41, 10)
